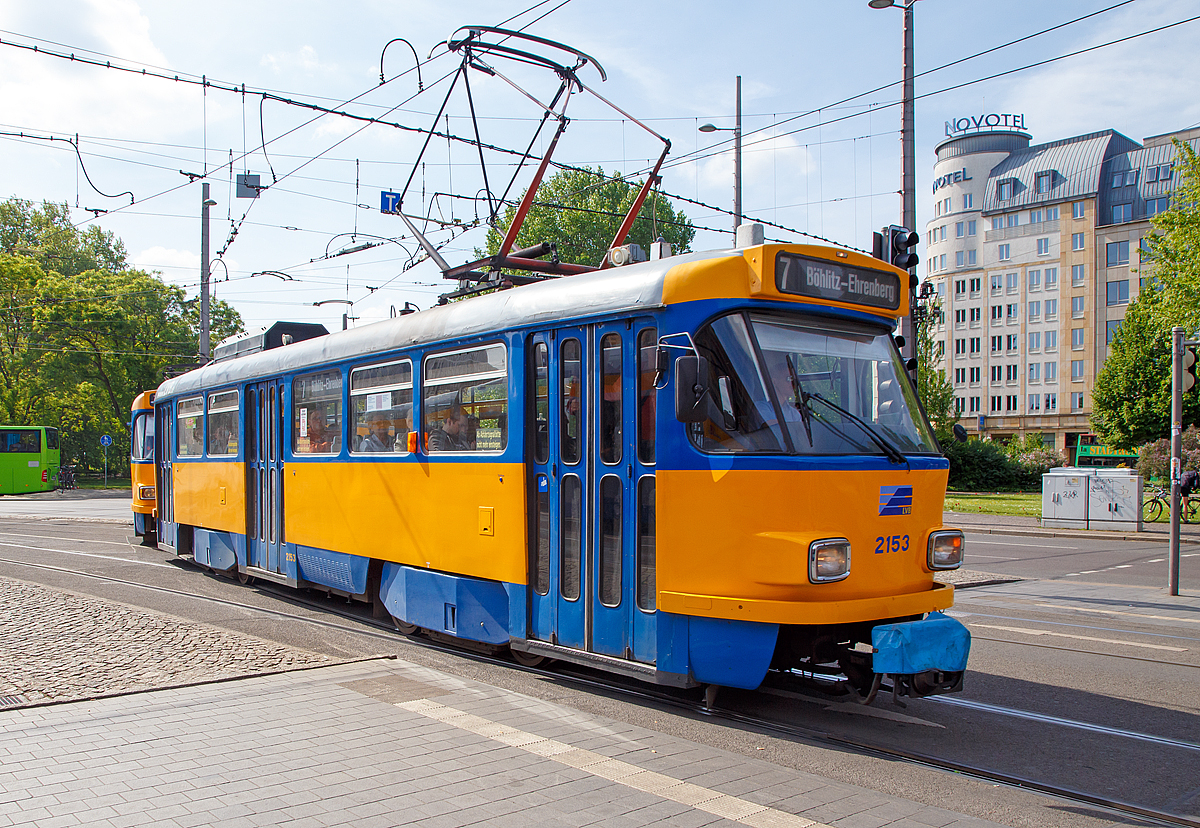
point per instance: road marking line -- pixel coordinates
(1026, 545)
(28, 536)
(1081, 637)
(1118, 612)
(975, 555)
(623, 773)
(84, 554)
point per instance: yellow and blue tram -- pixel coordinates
(141, 466)
(691, 470)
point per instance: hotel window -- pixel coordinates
(1164, 172)
(1151, 174)
(1118, 253)
(1034, 311)
(1035, 216)
(975, 312)
(970, 257)
(960, 317)
(997, 373)
(975, 286)
(1077, 275)
(960, 346)
(1077, 241)
(1052, 402)
(1042, 182)
(937, 208)
(974, 376)
(1076, 370)
(1010, 402)
(933, 236)
(1051, 308)
(971, 227)
(1035, 402)
(997, 283)
(941, 349)
(1051, 214)
(997, 222)
(1122, 213)
(1051, 278)
(1035, 340)
(1012, 341)
(1077, 307)
(1013, 312)
(1005, 251)
(959, 404)
(997, 344)
(997, 401)
(1076, 339)
(1130, 177)
(997, 313)
(1118, 293)
(960, 376)
(1035, 372)
(974, 345)
(974, 405)
(1033, 279)
(1004, 190)
(1117, 179)
(1113, 324)
(958, 229)
(1051, 340)
(1013, 282)
(1154, 206)
(1014, 219)
(1077, 401)
(1043, 247)
(947, 206)
(960, 287)
(1011, 372)
(1051, 372)
(1077, 209)
(968, 201)
(942, 262)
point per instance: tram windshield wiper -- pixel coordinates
(801, 401)
(889, 449)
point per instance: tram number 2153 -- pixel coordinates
(891, 543)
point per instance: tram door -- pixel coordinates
(264, 478)
(164, 450)
(585, 538)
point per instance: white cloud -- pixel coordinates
(304, 60)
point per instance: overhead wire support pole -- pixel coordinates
(1176, 457)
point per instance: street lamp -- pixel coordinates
(737, 154)
(908, 180)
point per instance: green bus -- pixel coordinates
(29, 459)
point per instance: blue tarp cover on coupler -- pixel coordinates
(936, 643)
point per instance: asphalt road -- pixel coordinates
(1082, 675)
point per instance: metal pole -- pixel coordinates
(205, 203)
(908, 186)
(737, 162)
(1176, 456)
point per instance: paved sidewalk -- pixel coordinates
(380, 743)
(98, 505)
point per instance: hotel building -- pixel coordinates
(1033, 252)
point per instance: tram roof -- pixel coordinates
(631, 288)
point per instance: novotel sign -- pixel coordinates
(993, 120)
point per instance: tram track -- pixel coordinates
(676, 700)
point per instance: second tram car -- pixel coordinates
(691, 470)
(141, 467)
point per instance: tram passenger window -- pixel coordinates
(647, 396)
(539, 577)
(466, 400)
(317, 413)
(610, 399)
(142, 442)
(646, 551)
(539, 375)
(381, 407)
(572, 397)
(223, 423)
(727, 347)
(609, 588)
(571, 536)
(190, 430)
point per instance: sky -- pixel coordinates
(821, 120)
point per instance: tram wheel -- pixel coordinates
(527, 659)
(404, 627)
(245, 578)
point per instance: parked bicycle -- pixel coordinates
(66, 478)
(1157, 500)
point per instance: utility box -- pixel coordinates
(1115, 500)
(1065, 498)
(1074, 498)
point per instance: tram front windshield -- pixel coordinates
(807, 385)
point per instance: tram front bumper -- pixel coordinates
(923, 657)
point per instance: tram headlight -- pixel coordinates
(146, 492)
(945, 550)
(828, 560)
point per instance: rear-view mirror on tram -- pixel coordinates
(695, 401)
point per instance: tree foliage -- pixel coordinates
(1154, 459)
(81, 334)
(933, 386)
(582, 211)
(1131, 401)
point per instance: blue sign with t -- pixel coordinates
(388, 202)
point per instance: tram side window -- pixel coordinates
(647, 396)
(190, 430)
(466, 400)
(142, 443)
(23, 441)
(611, 441)
(317, 413)
(381, 407)
(223, 423)
(572, 390)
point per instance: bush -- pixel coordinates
(1154, 459)
(978, 465)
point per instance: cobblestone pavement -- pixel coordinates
(56, 646)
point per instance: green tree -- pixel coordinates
(933, 387)
(582, 211)
(1131, 401)
(46, 235)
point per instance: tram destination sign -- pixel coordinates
(821, 279)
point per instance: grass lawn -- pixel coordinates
(995, 503)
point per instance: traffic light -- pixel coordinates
(1189, 367)
(899, 241)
